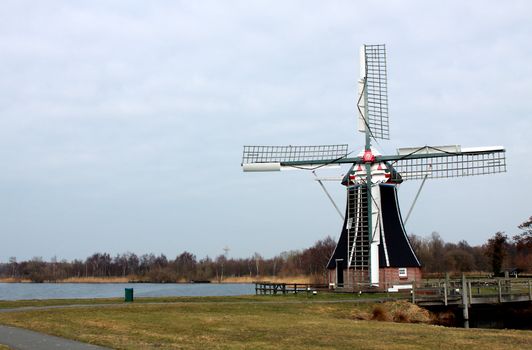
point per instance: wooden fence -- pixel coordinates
(265, 288)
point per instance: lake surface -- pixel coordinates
(20, 291)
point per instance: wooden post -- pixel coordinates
(445, 294)
(499, 289)
(529, 290)
(470, 293)
(413, 293)
(507, 283)
(464, 302)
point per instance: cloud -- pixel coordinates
(127, 119)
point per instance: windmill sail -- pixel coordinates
(448, 161)
(373, 94)
(268, 158)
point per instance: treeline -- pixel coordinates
(499, 253)
(185, 267)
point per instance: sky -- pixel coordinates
(122, 122)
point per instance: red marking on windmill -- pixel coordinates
(368, 157)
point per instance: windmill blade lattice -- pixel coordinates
(436, 164)
(283, 154)
(377, 91)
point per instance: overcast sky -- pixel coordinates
(122, 122)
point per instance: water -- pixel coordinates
(517, 315)
(21, 291)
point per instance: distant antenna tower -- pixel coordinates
(373, 249)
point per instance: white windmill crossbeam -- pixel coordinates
(429, 150)
(329, 178)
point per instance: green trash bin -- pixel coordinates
(129, 295)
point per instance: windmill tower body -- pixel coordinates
(373, 250)
(392, 261)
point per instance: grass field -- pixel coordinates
(5, 304)
(255, 323)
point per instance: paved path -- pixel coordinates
(23, 339)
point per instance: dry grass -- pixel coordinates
(403, 311)
(72, 280)
(275, 279)
(242, 279)
(96, 280)
(380, 313)
(13, 280)
(258, 325)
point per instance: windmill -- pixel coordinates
(373, 249)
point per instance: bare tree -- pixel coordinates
(258, 259)
(14, 265)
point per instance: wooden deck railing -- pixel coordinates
(473, 291)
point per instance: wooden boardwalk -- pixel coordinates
(430, 292)
(473, 291)
(465, 293)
